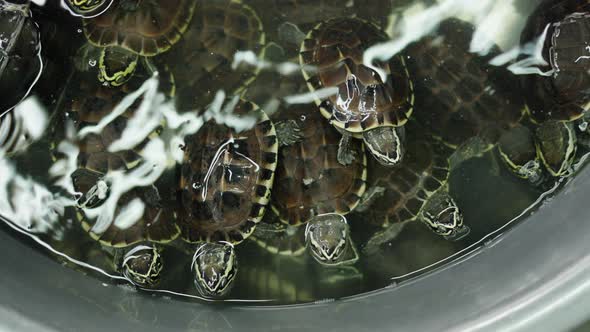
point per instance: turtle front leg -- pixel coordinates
(288, 132)
(369, 197)
(345, 153)
(387, 235)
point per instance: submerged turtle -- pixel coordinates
(549, 147)
(365, 105)
(459, 95)
(130, 29)
(117, 225)
(20, 54)
(87, 8)
(312, 188)
(284, 263)
(225, 185)
(205, 54)
(416, 190)
(562, 93)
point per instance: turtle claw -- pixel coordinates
(345, 153)
(288, 132)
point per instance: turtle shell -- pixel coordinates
(20, 60)
(226, 178)
(157, 223)
(89, 101)
(564, 94)
(204, 56)
(363, 101)
(408, 187)
(309, 179)
(143, 27)
(459, 95)
(278, 238)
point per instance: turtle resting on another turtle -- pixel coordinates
(415, 190)
(202, 60)
(312, 188)
(226, 178)
(365, 105)
(133, 28)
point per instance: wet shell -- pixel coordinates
(226, 178)
(149, 29)
(157, 223)
(409, 186)
(204, 56)
(309, 179)
(459, 95)
(563, 95)
(335, 48)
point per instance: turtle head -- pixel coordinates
(214, 268)
(386, 144)
(327, 238)
(444, 218)
(87, 6)
(116, 65)
(142, 265)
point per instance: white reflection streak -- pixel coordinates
(416, 25)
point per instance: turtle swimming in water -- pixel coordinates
(202, 60)
(365, 105)
(562, 92)
(459, 95)
(132, 224)
(130, 29)
(416, 190)
(311, 187)
(226, 178)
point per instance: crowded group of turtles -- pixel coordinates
(375, 141)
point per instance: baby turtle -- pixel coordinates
(205, 54)
(459, 95)
(415, 190)
(87, 8)
(365, 105)
(133, 28)
(312, 187)
(20, 54)
(137, 220)
(225, 185)
(550, 146)
(562, 92)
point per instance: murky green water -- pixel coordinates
(490, 197)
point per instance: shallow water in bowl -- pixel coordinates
(490, 197)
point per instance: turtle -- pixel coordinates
(365, 105)
(284, 261)
(460, 97)
(132, 238)
(87, 8)
(130, 29)
(20, 60)
(534, 151)
(225, 183)
(562, 92)
(416, 190)
(204, 56)
(311, 187)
